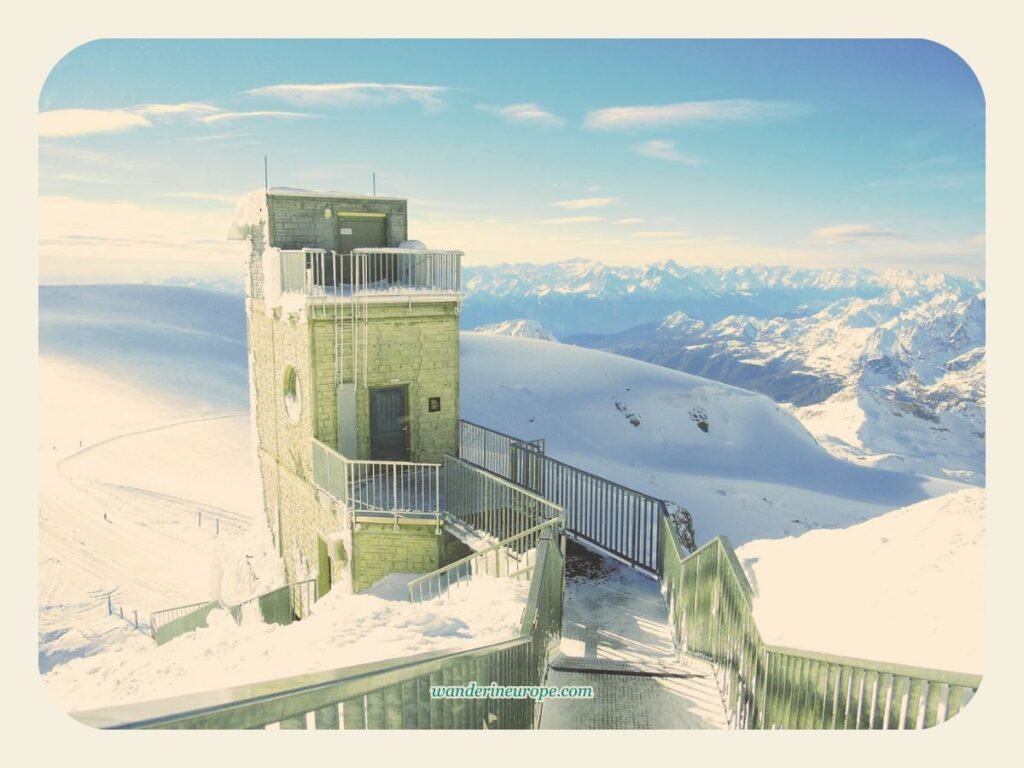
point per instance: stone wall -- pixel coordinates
(296, 513)
(416, 345)
(380, 549)
(299, 221)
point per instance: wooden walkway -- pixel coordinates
(616, 639)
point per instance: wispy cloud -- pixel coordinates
(839, 233)
(222, 117)
(527, 113)
(427, 96)
(232, 136)
(213, 197)
(119, 240)
(62, 123)
(585, 202)
(574, 220)
(630, 221)
(661, 234)
(662, 149)
(184, 108)
(681, 113)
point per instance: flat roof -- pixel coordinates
(294, 192)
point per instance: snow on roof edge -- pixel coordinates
(298, 192)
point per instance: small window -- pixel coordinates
(292, 394)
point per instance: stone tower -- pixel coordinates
(353, 345)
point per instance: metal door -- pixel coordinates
(360, 233)
(389, 424)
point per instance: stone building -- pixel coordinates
(353, 356)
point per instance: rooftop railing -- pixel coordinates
(369, 271)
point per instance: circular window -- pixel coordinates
(292, 394)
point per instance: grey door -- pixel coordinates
(358, 232)
(389, 424)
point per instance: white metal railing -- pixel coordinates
(365, 271)
(401, 488)
(515, 557)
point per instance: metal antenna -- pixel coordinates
(265, 184)
(374, 183)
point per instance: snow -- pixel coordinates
(843, 559)
(131, 448)
(124, 475)
(343, 630)
(757, 472)
(907, 587)
(527, 329)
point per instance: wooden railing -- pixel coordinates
(387, 694)
(764, 686)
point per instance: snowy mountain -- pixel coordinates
(739, 462)
(236, 287)
(527, 329)
(581, 296)
(900, 374)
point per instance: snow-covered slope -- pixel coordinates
(134, 437)
(755, 472)
(907, 587)
(343, 630)
(143, 427)
(527, 329)
(899, 378)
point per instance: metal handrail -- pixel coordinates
(767, 686)
(345, 479)
(623, 521)
(502, 553)
(167, 615)
(361, 696)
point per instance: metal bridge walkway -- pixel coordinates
(616, 639)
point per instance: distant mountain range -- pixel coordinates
(526, 329)
(886, 367)
(580, 296)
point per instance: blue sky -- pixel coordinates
(807, 153)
